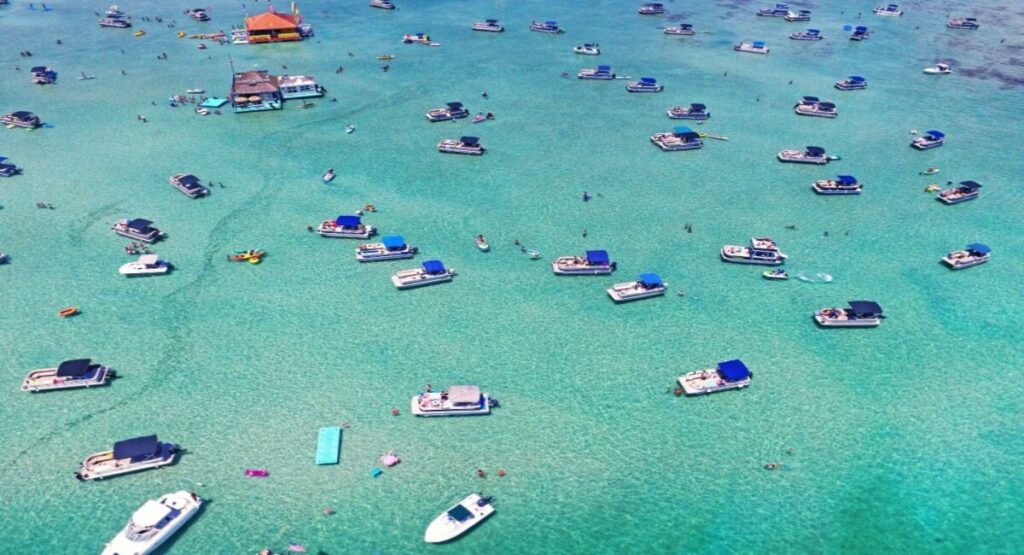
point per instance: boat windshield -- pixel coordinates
(460, 514)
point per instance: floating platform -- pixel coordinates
(328, 445)
(214, 102)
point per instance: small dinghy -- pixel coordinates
(777, 274)
(481, 243)
(533, 254)
(329, 176)
(350, 129)
(459, 519)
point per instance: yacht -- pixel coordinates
(115, 22)
(644, 85)
(681, 138)
(731, 374)
(43, 75)
(114, 11)
(546, 27)
(464, 145)
(459, 519)
(130, 455)
(860, 33)
(812, 155)
(684, 29)
(592, 264)
(458, 400)
(453, 110)
(138, 229)
(391, 247)
(649, 285)
(601, 73)
(70, 374)
(587, 50)
(382, 4)
(810, 34)
(153, 523)
(188, 184)
(963, 23)
(967, 190)
(971, 255)
(433, 271)
(779, 10)
(146, 265)
(801, 15)
(651, 9)
(819, 109)
(693, 111)
(860, 314)
(853, 83)
(418, 38)
(938, 69)
(346, 227)
(930, 139)
(8, 169)
(27, 120)
(762, 251)
(841, 185)
(892, 10)
(756, 47)
(198, 14)
(489, 25)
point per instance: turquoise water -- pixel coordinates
(905, 438)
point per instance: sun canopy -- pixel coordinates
(73, 368)
(459, 513)
(24, 115)
(139, 224)
(861, 29)
(348, 222)
(865, 308)
(650, 280)
(137, 449)
(551, 23)
(733, 370)
(433, 267)
(978, 248)
(827, 105)
(464, 394)
(815, 151)
(470, 141)
(856, 78)
(811, 99)
(605, 69)
(393, 242)
(758, 44)
(648, 80)
(40, 69)
(697, 107)
(454, 105)
(685, 133)
(847, 180)
(970, 185)
(935, 134)
(597, 257)
(149, 259)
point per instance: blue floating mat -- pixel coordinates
(214, 102)
(328, 445)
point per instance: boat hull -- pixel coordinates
(443, 528)
(691, 386)
(855, 323)
(36, 380)
(168, 454)
(626, 296)
(420, 279)
(188, 505)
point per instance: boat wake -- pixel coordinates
(819, 277)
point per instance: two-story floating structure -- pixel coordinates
(255, 91)
(299, 86)
(274, 27)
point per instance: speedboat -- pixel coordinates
(8, 169)
(116, 23)
(458, 519)
(930, 139)
(114, 11)
(681, 138)
(432, 271)
(453, 110)
(965, 191)
(329, 176)
(860, 314)
(188, 184)
(892, 10)
(860, 33)
(592, 264)
(602, 73)
(464, 145)
(146, 265)
(756, 47)
(841, 185)
(458, 400)
(693, 111)
(546, 27)
(70, 374)
(819, 109)
(963, 23)
(684, 29)
(779, 10)
(130, 455)
(198, 14)
(649, 285)
(27, 120)
(489, 25)
(346, 227)
(587, 49)
(481, 243)
(43, 75)
(153, 523)
(419, 38)
(853, 83)
(731, 374)
(801, 15)
(651, 9)
(810, 34)
(391, 247)
(138, 229)
(644, 85)
(938, 69)
(972, 255)
(762, 251)
(778, 274)
(812, 155)
(382, 4)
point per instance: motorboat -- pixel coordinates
(346, 227)
(852, 83)
(431, 272)
(971, 255)
(731, 374)
(762, 251)
(644, 85)
(114, 22)
(649, 285)
(684, 29)
(418, 38)
(114, 11)
(819, 109)
(458, 400)
(601, 73)
(489, 25)
(198, 14)
(681, 138)
(382, 4)
(69, 374)
(892, 10)
(391, 247)
(778, 274)
(188, 184)
(779, 10)
(481, 243)
(26, 120)
(755, 47)
(153, 523)
(938, 69)
(138, 229)
(464, 145)
(146, 265)
(130, 455)
(965, 191)
(930, 139)
(810, 34)
(459, 519)
(841, 185)
(8, 169)
(43, 75)
(593, 263)
(812, 155)
(651, 9)
(546, 27)
(963, 23)
(328, 176)
(860, 314)
(860, 33)
(453, 110)
(694, 111)
(799, 15)
(587, 49)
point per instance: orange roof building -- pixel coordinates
(273, 27)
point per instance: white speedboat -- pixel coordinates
(587, 49)
(546, 27)
(458, 400)
(649, 285)
(345, 227)
(762, 251)
(432, 271)
(853, 83)
(652, 9)
(841, 185)
(328, 176)
(644, 85)
(694, 111)
(459, 519)
(930, 139)
(115, 22)
(892, 10)
(799, 15)
(188, 184)
(130, 455)
(681, 138)
(592, 264)
(818, 109)
(382, 4)
(464, 145)
(778, 274)
(602, 73)
(967, 190)
(860, 314)
(755, 47)
(860, 33)
(963, 23)
(971, 255)
(70, 374)
(810, 34)
(146, 265)
(391, 247)
(453, 110)
(683, 29)
(812, 155)
(731, 374)
(938, 69)
(489, 25)
(153, 523)
(778, 10)
(138, 229)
